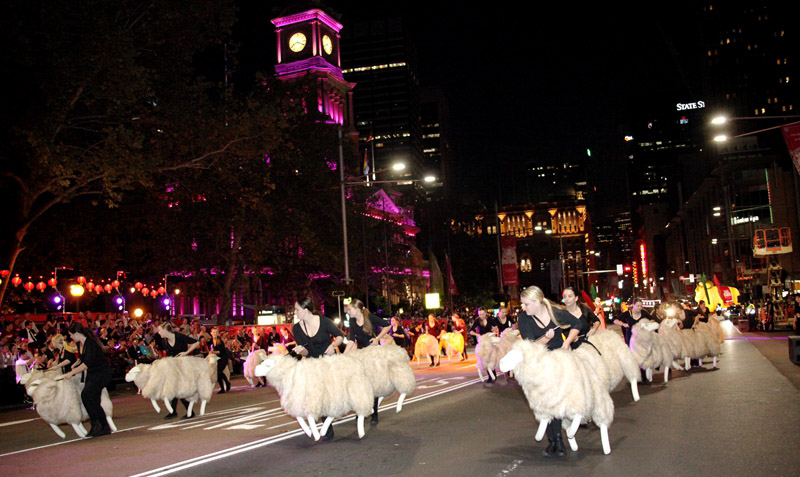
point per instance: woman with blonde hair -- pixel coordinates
(537, 323)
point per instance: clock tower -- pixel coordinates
(308, 44)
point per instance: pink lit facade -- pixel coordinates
(308, 44)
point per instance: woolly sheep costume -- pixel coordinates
(706, 331)
(253, 359)
(561, 384)
(388, 370)
(618, 359)
(427, 345)
(649, 350)
(59, 402)
(186, 377)
(491, 349)
(453, 344)
(328, 386)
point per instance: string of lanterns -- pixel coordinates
(89, 285)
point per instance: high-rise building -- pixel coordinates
(380, 58)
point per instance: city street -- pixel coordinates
(740, 419)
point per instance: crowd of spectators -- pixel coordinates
(126, 341)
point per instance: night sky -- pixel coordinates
(535, 83)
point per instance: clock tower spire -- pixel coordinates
(308, 44)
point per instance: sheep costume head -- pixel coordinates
(270, 368)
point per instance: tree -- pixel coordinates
(105, 95)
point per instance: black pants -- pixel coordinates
(174, 404)
(553, 429)
(90, 396)
(222, 380)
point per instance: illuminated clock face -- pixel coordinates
(327, 44)
(297, 42)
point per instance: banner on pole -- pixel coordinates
(508, 245)
(791, 134)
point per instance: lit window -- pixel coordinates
(763, 110)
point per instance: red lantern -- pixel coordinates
(90, 286)
(98, 289)
(81, 280)
(52, 282)
(153, 293)
(138, 285)
(16, 281)
(4, 273)
(145, 291)
(161, 290)
(107, 288)
(41, 286)
(29, 286)
(115, 284)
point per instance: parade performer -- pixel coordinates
(629, 318)
(589, 321)
(538, 323)
(98, 376)
(315, 335)
(218, 348)
(363, 325)
(176, 344)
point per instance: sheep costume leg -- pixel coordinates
(140, 375)
(619, 360)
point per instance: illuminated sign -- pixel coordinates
(432, 301)
(643, 256)
(743, 220)
(695, 105)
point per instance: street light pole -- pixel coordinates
(347, 279)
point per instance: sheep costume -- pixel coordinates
(491, 349)
(453, 344)
(649, 350)
(388, 371)
(696, 344)
(253, 359)
(618, 359)
(59, 402)
(186, 377)
(427, 345)
(563, 384)
(706, 332)
(678, 343)
(329, 386)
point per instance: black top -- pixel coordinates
(531, 328)
(688, 320)
(93, 356)
(317, 344)
(481, 329)
(502, 326)
(358, 334)
(398, 340)
(219, 347)
(703, 315)
(69, 356)
(182, 343)
(587, 318)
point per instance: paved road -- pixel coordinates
(740, 419)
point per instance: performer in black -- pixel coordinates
(98, 375)
(589, 321)
(176, 344)
(316, 336)
(537, 323)
(628, 319)
(218, 348)
(363, 325)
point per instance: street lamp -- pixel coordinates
(719, 120)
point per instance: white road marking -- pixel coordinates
(200, 460)
(62, 442)
(510, 468)
(16, 422)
